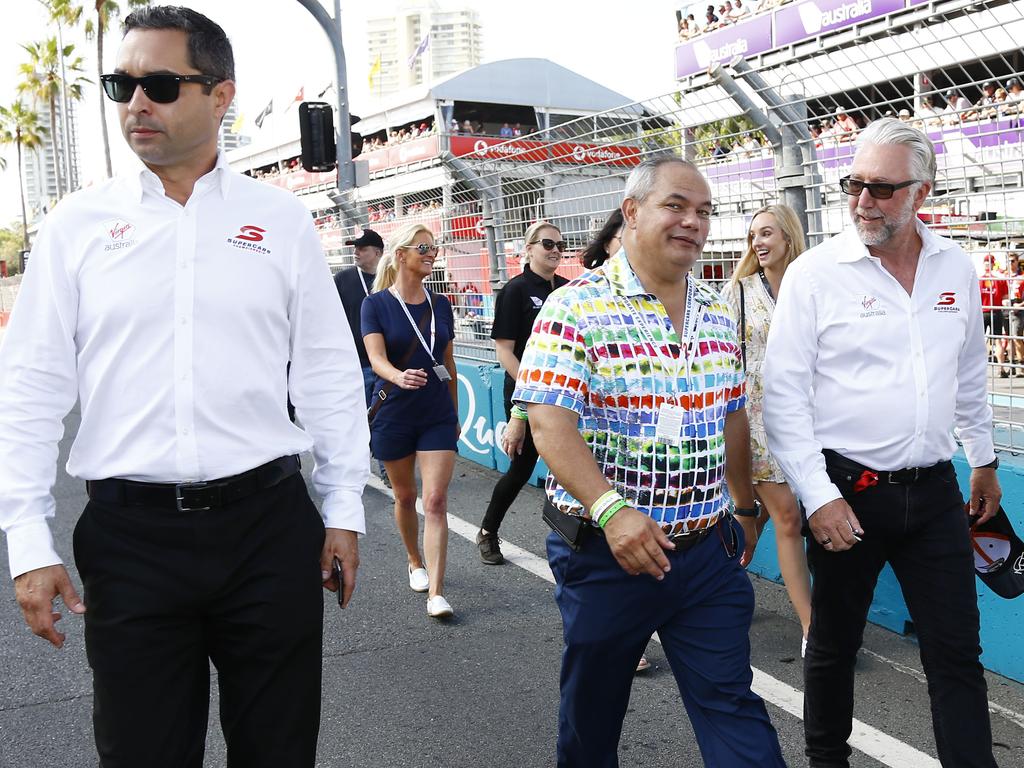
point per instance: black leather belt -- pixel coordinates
(194, 497)
(683, 541)
(907, 476)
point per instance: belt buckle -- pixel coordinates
(179, 497)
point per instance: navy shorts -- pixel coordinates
(392, 440)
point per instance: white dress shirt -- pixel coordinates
(173, 326)
(857, 365)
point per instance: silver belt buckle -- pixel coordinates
(179, 498)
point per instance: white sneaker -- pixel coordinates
(418, 579)
(438, 608)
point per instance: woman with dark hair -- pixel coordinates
(605, 243)
(516, 308)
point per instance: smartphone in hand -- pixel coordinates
(339, 581)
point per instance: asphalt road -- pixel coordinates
(403, 690)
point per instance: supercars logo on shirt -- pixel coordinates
(117, 234)
(946, 302)
(248, 238)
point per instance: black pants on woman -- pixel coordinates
(169, 592)
(508, 487)
(921, 529)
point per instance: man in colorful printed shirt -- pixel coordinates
(635, 395)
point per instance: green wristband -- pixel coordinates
(610, 512)
(519, 413)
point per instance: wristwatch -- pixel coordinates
(994, 464)
(753, 511)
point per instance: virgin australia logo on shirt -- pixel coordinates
(118, 234)
(871, 306)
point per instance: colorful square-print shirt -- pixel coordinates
(606, 349)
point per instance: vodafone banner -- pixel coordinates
(569, 152)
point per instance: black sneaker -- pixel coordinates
(490, 552)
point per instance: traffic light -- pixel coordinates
(316, 130)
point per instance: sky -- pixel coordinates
(279, 47)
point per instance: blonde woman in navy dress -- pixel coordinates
(417, 423)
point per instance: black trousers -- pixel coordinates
(169, 592)
(922, 531)
(509, 485)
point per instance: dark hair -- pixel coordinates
(597, 252)
(209, 49)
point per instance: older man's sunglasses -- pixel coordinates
(880, 190)
(162, 88)
(549, 245)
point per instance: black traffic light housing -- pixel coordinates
(316, 130)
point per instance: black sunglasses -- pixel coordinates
(549, 245)
(423, 249)
(163, 89)
(879, 190)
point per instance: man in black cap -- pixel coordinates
(354, 284)
(986, 103)
(1014, 97)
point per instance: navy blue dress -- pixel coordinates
(411, 419)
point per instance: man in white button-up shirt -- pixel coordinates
(875, 353)
(169, 303)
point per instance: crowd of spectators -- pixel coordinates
(723, 15)
(276, 169)
(397, 136)
(1002, 307)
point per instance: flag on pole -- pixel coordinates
(298, 98)
(236, 127)
(424, 44)
(374, 71)
(325, 90)
(263, 115)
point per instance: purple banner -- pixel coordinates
(815, 17)
(744, 39)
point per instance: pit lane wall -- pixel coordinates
(482, 415)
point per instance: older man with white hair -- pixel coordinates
(875, 352)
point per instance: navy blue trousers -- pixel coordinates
(701, 611)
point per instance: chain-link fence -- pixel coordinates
(779, 126)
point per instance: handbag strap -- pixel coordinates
(743, 325)
(383, 392)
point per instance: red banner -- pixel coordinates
(301, 178)
(574, 153)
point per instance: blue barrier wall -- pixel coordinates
(482, 414)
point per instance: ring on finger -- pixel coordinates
(826, 541)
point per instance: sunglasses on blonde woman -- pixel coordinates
(423, 249)
(549, 245)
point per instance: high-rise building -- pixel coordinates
(228, 139)
(455, 43)
(40, 181)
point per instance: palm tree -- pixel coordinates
(42, 80)
(21, 126)
(106, 12)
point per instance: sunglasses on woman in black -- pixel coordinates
(162, 88)
(550, 245)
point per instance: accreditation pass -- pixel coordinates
(669, 429)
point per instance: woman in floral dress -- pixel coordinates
(774, 240)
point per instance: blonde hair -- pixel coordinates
(531, 235)
(387, 267)
(792, 233)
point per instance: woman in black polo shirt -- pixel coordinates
(515, 310)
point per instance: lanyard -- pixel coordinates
(691, 317)
(415, 328)
(766, 284)
(362, 282)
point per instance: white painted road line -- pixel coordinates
(871, 741)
